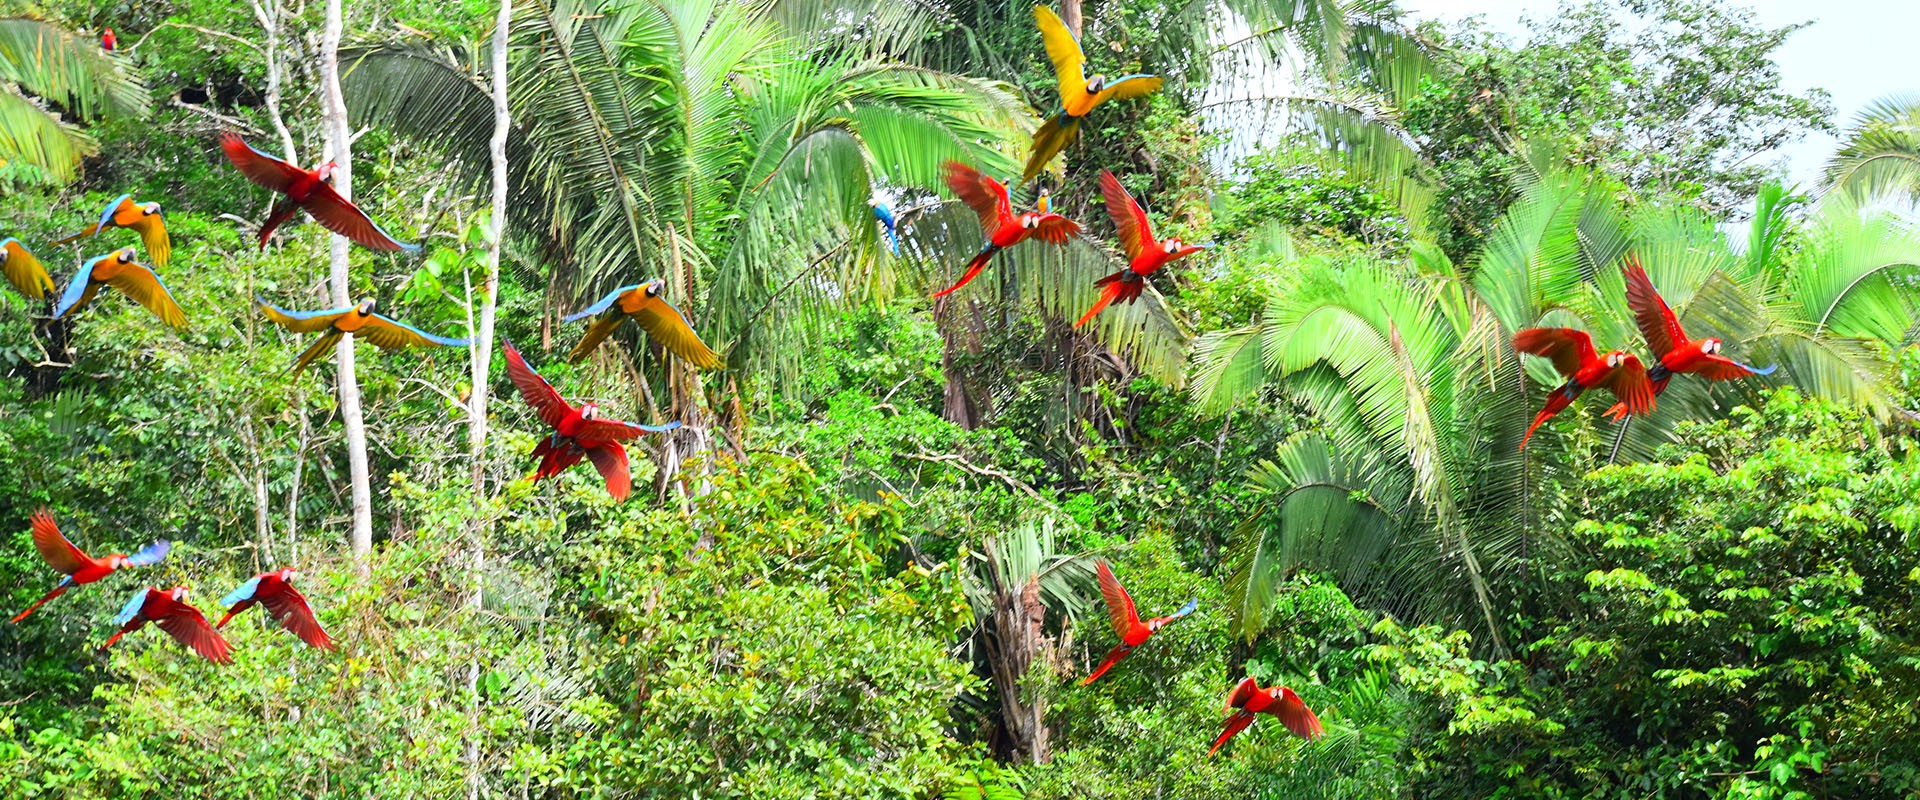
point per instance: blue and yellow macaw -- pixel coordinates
(647, 304)
(1079, 95)
(118, 270)
(1043, 203)
(23, 270)
(379, 330)
(142, 218)
(887, 224)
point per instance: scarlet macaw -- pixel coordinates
(1248, 699)
(183, 622)
(1079, 95)
(577, 433)
(80, 568)
(1144, 253)
(108, 41)
(379, 330)
(1126, 621)
(307, 189)
(285, 603)
(988, 199)
(1668, 341)
(1573, 356)
(646, 304)
(887, 224)
(23, 270)
(118, 270)
(142, 218)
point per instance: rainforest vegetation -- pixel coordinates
(865, 564)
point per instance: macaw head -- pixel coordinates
(655, 287)
(179, 594)
(1029, 221)
(873, 202)
(118, 561)
(1288, 695)
(287, 574)
(150, 209)
(123, 255)
(1710, 346)
(590, 411)
(1096, 83)
(1616, 358)
(325, 171)
(365, 307)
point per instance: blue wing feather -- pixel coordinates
(245, 592)
(115, 203)
(1187, 609)
(654, 428)
(132, 608)
(1768, 371)
(600, 305)
(151, 554)
(75, 288)
(450, 342)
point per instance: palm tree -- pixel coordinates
(1881, 151)
(44, 68)
(1412, 491)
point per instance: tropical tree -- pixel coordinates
(45, 69)
(1880, 152)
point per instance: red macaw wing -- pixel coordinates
(1055, 229)
(188, 627)
(1120, 609)
(388, 333)
(539, 394)
(664, 323)
(1241, 692)
(23, 270)
(1294, 714)
(142, 285)
(1650, 311)
(1629, 383)
(1721, 368)
(984, 195)
(1567, 348)
(289, 606)
(336, 214)
(611, 460)
(58, 552)
(1235, 723)
(261, 168)
(1136, 234)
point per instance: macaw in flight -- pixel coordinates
(988, 199)
(81, 569)
(1573, 356)
(1673, 351)
(170, 611)
(308, 189)
(1126, 621)
(108, 41)
(287, 605)
(1145, 254)
(380, 330)
(646, 304)
(884, 216)
(142, 218)
(1248, 699)
(118, 270)
(23, 270)
(577, 432)
(1079, 95)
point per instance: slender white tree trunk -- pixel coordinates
(340, 144)
(1070, 14)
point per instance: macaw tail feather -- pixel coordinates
(91, 230)
(1235, 724)
(1120, 287)
(1560, 399)
(114, 638)
(973, 268)
(893, 241)
(1048, 141)
(282, 211)
(318, 349)
(57, 591)
(1113, 658)
(224, 620)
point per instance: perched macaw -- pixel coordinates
(142, 218)
(887, 224)
(577, 433)
(646, 304)
(108, 41)
(287, 605)
(170, 611)
(1079, 95)
(1673, 351)
(307, 189)
(1126, 621)
(1145, 254)
(1044, 202)
(1573, 356)
(23, 270)
(118, 270)
(988, 199)
(80, 568)
(1248, 699)
(379, 330)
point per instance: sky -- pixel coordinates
(1857, 50)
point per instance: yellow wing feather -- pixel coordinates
(143, 286)
(663, 322)
(26, 273)
(1069, 63)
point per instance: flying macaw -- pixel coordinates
(577, 433)
(1043, 203)
(142, 218)
(183, 622)
(988, 198)
(23, 270)
(80, 568)
(887, 224)
(379, 330)
(285, 603)
(118, 270)
(1248, 699)
(1079, 95)
(307, 189)
(1126, 621)
(1573, 356)
(1673, 351)
(108, 41)
(646, 304)
(1145, 254)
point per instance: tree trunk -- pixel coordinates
(1016, 642)
(340, 144)
(1070, 14)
